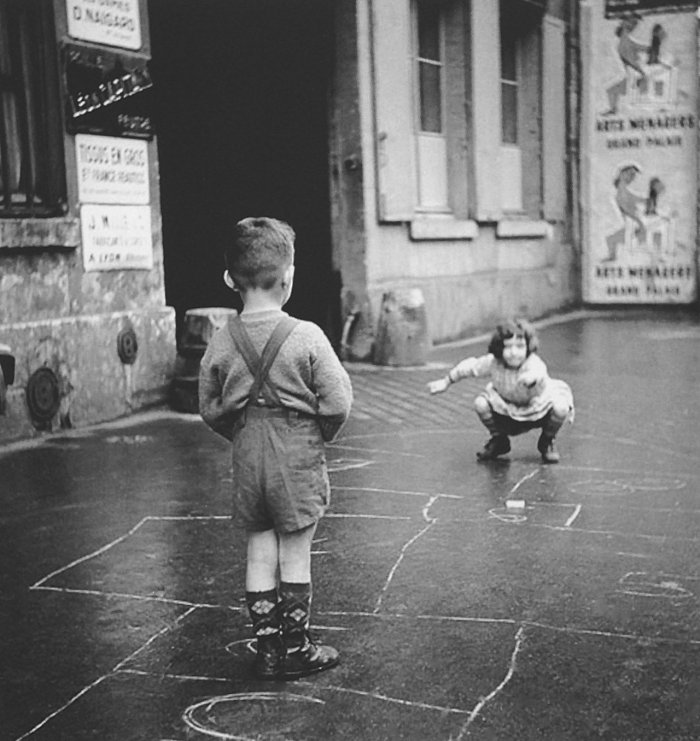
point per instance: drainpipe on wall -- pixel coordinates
(7, 374)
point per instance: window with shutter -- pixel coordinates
(521, 108)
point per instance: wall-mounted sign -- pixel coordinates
(111, 22)
(116, 237)
(112, 170)
(618, 8)
(108, 92)
(639, 141)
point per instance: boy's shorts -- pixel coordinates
(280, 479)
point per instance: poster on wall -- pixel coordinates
(116, 237)
(110, 22)
(639, 141)
(617, 8)
(112, 170)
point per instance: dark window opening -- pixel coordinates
(32, 176)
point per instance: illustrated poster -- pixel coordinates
(639, 144)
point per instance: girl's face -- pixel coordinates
(514, 351)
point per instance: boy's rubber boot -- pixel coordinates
(302, 656)
(497, 445)
(263, 611)
(547, 449)
(308, 659)
(268, 658)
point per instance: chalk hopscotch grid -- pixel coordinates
(120, 667)
(430, 522)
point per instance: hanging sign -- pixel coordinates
(112, 170)
(108, 92)
(639, 141)
(116, 237)
(111, 22)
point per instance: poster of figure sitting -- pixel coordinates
(639, 132)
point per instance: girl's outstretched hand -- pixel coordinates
(437, 387)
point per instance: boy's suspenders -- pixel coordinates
(262, 392)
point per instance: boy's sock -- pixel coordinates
(303, 656)
(295, 612)
(263, 611)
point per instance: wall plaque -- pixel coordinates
(116, 237)
(111, 169)
(111, 22)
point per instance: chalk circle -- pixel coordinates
(251, 716)
(345, 464)
(501, 513)
(615, 487)
(651, 483)
(644, 584)
(245, 646)
(241, 647)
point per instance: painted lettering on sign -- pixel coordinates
(112, 170)
(116, 237)
(108, 92)
(112, 22)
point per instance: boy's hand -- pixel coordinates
(437, 387)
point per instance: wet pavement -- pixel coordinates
(121, 612)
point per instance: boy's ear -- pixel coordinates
(288, 276)
(228, 280)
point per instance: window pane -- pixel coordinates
(509, 69)
(509, 113)
(509, 31)
(430, 98)
(428, 30)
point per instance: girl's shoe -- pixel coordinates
(547, 450)
(497, 445)
(309, 659)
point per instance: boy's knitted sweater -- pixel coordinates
(306, 373)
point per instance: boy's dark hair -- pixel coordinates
(513, 328)
(261, 250)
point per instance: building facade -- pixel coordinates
(418, 147)
(451, 169)
(82, 301)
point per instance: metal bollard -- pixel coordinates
(402, 334)
(199, 325)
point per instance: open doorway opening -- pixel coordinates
(241, 115)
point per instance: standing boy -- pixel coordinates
(274, 387)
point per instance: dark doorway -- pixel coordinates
(241, 115)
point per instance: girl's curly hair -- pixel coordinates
(513, 328)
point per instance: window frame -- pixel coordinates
(521, 193)
(31, 120)
(431, 149)
(447, 184)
